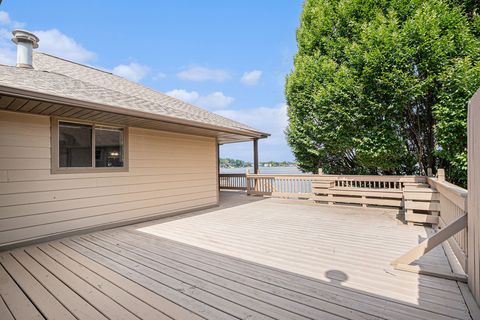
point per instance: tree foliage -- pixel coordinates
(381, 86)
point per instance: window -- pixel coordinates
(84, 147)
(74, 145)
(108, 147)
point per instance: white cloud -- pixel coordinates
(184, 95)
(159, 76)
(8, 55)
(203, 74)
(213, 101)
(59, 44)
(271, 120)
(4, 18)
(251, 78)
(133, 71)
(52, 41)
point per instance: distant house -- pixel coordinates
(81, 148)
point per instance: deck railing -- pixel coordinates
(423, 199)
(411, 193)
(334, 189)
(378, 191)
(368, 183)
(452, 205)
(233, 181)
(281, 185)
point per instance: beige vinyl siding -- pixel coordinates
(168, 172)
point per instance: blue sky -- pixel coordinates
(229, 57)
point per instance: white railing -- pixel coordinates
(281, 185)
(233, 181)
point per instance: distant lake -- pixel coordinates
(266, 170)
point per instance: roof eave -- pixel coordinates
(29, 94)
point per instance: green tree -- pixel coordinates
(381, 86)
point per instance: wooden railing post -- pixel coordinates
(218, 166)
(247, 178)
(473, 142)
(441, 175)
(329, 194)
(255, 156)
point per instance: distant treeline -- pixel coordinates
(235, 163)
(278, 164)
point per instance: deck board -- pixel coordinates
(124, 283)
(172, 279)
(250, 258)
(285, 283)
(18, 304)
(4, 311)
(68, 298)
(269, 303)
(176, 295)
(39, 295)
(128, 301)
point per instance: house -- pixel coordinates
(81, 148)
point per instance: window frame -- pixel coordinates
(55, 147)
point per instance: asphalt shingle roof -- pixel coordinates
(59, 77)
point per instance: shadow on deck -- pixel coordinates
(250, 258)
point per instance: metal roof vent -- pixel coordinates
(26, 42)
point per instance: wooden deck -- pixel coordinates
(248, 259)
